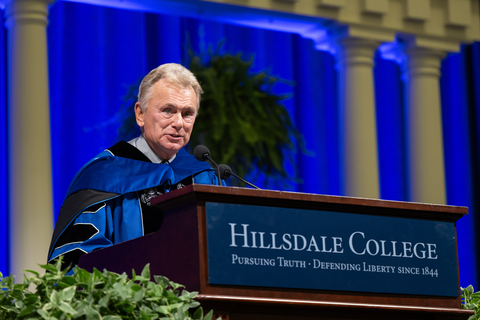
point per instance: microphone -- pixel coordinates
(226, 172)
(202, 153)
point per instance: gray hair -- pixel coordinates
(172, 73)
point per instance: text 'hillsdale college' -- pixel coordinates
(357, 244)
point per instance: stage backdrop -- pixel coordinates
(3, 154)
(96, 52)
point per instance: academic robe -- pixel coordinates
(108, 200)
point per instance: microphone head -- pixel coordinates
(225, 171)
(201, 153)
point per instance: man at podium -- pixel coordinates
(108, 201)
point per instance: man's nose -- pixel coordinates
(177, 120)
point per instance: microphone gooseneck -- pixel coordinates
(226, 172)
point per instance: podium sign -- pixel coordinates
(314, 249)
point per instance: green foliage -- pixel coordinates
(95, 296)
(241, 120)
(471, 300)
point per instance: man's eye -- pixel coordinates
(167, 111)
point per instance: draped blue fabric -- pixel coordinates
(461, 127)
(96, 52)
(390, 130)
(4, 268)
(315, 99)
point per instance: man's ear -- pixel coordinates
(139, 114)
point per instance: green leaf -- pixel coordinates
(49, 267)
(146, 271)
(48, 306)
(138, 296)
(90, 282)
(55, 297)
(67, 294)
(92, 314)
(11, 309)
(163, 310)
(65, 307)
(32, 271)
(103, 302)
(31, 298)
(68, 280)
(161, 280)
(97, 273)
(209, 315)
(168, 309)
(26, 311)
(198, 315)
(144, 315)
(136, 287)
(43, 313)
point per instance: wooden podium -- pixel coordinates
(179, 251)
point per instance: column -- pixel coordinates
(30, 181)
(424, 126)
(357, 117)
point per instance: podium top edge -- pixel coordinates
(210, 193)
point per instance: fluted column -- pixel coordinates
(357, 117)
(30, 181)
(424, 125)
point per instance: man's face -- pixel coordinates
(168, 120)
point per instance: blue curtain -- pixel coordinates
(390, 130)
(96, 52)
(460, 83)
(315, 112)
(4, 268)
